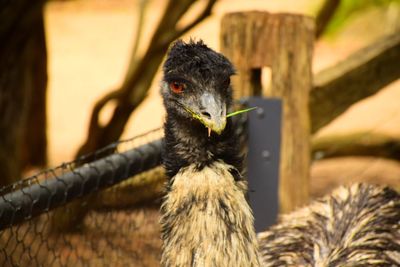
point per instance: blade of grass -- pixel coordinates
(240, 111)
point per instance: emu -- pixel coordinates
(205, 218)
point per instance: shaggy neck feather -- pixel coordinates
(206, 220)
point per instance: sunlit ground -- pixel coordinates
(89, 44)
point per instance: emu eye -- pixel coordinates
(177, 87)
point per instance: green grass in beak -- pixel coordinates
(240, 112)
(194, 115)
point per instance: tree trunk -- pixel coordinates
(34, 150)
(22, 79)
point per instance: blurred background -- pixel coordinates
(81, 74)
(90, 43)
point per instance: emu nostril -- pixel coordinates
(206, 114)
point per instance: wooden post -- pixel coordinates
(284, 43)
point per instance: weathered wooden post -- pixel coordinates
(284, 43)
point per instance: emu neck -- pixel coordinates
(206, 220)
(187, 143)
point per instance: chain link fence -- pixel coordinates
(92, 192)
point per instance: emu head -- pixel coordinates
(196, 84)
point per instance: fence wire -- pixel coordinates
(88, 212)
(90, 192)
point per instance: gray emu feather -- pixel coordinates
(353, 226)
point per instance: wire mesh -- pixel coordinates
(108, 232)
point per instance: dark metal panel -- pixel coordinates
(264, 139)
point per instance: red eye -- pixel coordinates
(177, 87)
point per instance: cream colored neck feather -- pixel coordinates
(206, 220)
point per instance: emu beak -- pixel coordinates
(212, 113)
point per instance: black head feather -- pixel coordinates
(201, 74)
(197, 61)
